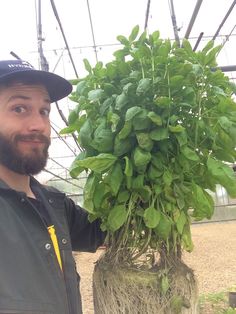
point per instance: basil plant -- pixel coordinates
(157, 131)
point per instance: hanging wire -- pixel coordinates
(228, 36)
(72, 62)
(61, 178)
(174, 23)
(147, 14)
(61, 138)
(92, 30)
(59, 164)
(117, 44)
(63, 35)
(63, 167)
(59, 59)
(43, 61)
(224, 19)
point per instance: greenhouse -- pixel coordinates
(145, 143)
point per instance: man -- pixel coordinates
(39, 226)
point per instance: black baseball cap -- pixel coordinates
(57, 86)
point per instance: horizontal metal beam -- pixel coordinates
(226, 68)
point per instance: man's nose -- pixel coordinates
(37, 123)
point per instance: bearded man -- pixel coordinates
(39, 226)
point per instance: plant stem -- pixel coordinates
(145, 246)
(142, 68)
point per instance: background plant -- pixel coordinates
(157, 126)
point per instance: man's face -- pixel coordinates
(24, 128)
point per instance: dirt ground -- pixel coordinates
(213, 261)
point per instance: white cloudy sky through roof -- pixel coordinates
(110, 18)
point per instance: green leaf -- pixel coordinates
(159, 134)
(128, 167)
(89, 189)
(202, 203)
(117, 217)
(123, 40)
(151, 217)
(109, 89)
(126, 130)
(210, 58)
(189, 153)
(101, 190)
(155, 118)
(115, 178)
(129, 89)
(176, 81)
(158, 189)
(165, 49)
(85, 134)
(162, 101)
(106, 105)
(122, 147)
(167, 177)
(141, 121)
(154, 173)
(181, 221)
(121, 101)
(114, 119)
(163, 229)
(138, 182)
(72, 117)
(169, 194)
(187, 238)
(176, 129)
(223, 155)
(68, 129)
(208, 46)
(145, 194)
(103, 139)
(132, 112)
(144, 141)
(123, 197)
(158, 161)
(143, 86)
(74, 81)
(141, 157)
(182, 138)
(99, 163)
(187, 47)
(225, 123)
(223, 174)
(75, 170)
(134, 33)
(95, 95)
(87, 66)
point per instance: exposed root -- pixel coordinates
(120, 290)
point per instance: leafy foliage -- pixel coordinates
(157, 125)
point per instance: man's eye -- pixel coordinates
(19, 109)
(45, 112)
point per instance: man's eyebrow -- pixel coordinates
(47, 100)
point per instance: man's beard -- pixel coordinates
(12, 157)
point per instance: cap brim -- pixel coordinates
(57, 86)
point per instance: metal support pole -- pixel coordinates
(173, 18)
(192, 20)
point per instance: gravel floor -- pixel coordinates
(213, 260)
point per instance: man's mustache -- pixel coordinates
(33, 137)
